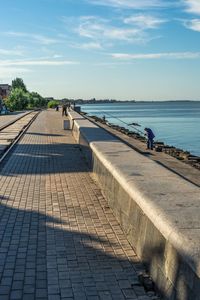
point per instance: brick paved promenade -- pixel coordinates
(4, 119)
(59, 239)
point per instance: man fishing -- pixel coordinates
(150, 136)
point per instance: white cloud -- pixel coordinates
(7, 52)
(101, 31)
(88, 46)
(112, 64)
(167, 55)
(9, 72)
(123, 34)
(36, 63)
(144, 21)
(10, 68)
(91, 27)
(193, 6)
(43, 40)
(135, 4)
(57, 56)
(193, 24)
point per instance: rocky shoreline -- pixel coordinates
(180, 154)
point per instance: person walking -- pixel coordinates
(68, 107)
(64, 110)
(150, 136)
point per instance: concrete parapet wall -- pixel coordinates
(158, 210)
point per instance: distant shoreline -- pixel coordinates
(84, 102)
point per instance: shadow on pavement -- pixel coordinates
(42, 257)
(44, 159)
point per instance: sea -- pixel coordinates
(176, 123)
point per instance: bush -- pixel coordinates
(52, 104)
(36, 101)
(18, 99)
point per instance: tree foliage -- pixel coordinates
(52, 104)
(36, 101)
(19, 83)
(20, 98)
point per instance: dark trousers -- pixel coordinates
(150, 144)
(64, 112)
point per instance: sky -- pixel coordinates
(103, 49)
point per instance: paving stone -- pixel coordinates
(6, 281)
(59, 239)
(53, 290)
(17, 285)
(129, 293)
(54, 297)
(15, 295)
(4, 290)
(41, 293)
(5, 297)
(28, 289)
(28, 297)
(66, 292)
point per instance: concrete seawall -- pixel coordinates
(158, 210)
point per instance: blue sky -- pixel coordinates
(119, 49)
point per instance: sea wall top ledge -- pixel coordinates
(170, 202)
(89, 130)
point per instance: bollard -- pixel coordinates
(66, 124)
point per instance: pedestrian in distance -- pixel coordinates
(68, 105)
(150, 136)
(64, 110)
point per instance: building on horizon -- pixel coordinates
(5, 90)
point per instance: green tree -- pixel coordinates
(52, 104)
(18, 99)
(19, 83)
(36, 100)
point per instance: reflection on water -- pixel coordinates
(175, 123)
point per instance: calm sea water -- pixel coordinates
(175, 123)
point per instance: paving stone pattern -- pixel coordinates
(5, 119)
(59, 239)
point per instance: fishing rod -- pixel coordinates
(130, 125)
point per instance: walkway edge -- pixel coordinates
(157, 209)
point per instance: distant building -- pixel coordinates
(5, 90)
(49, 98)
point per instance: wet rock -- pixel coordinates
(194, 158)
(158, 146)
(184, 154)
(147, 282)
